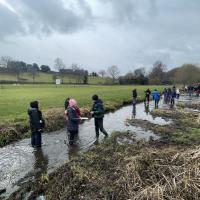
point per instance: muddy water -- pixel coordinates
(19, 162)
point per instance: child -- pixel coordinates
(74, 118)
(156, 97)
(37, 123)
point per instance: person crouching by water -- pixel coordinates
(73, 119)
(98, 114)
(156, 97)
(37, 124)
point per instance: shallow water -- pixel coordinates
(20, 160)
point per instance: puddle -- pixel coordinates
(21, 160)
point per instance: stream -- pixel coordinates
(19, 162)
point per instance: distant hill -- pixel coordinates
(47, 78)
(186, 74)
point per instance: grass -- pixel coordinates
(14, 100)
(48, 78)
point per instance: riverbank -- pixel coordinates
(122, 167)
(14, 123)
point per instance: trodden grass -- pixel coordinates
(14, 100)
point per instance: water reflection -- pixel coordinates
(41, 161)
(134, 112)
(146, 108)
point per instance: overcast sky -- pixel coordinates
(98, 33)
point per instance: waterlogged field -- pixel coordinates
(15, 99)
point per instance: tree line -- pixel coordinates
(186, 74)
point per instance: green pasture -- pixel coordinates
(14, 99)
(48, 78)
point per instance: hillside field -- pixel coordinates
(47, 78)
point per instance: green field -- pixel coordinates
(48, 78)
(14, 99)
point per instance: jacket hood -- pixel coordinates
(30, 110)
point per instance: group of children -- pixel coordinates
(168, 93)
(72, 117)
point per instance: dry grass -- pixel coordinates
(136, 171)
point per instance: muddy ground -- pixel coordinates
(122, 167)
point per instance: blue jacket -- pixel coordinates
(156, 95)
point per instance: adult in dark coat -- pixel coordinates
(98, 114)
(37, 123)
(73, 120)
(147, 95)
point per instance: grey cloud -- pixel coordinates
(9, 22)
(47, 16)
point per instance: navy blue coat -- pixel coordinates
(73, 119)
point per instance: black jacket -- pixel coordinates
(73, 119)
(36, 120)
(134, 94)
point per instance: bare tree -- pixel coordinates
(114, 72)
(75, 67)
(102, 73)
(59, 65)
(5, 60)
(157, 75)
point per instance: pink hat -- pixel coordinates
(72, 102)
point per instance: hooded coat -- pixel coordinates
(98, 109)
(73, 119)
(156, 96)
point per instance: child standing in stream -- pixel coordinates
(73, 119)
(37, 124)
(98, 114)
(156, 97)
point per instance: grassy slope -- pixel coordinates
(44, 77)
(14, 100)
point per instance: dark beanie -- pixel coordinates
(34, 104)
(95, 97)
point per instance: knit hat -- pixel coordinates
(95, 97)
(72, 102)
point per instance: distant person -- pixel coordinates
(190, 90)
(74, 118)
(37, 124)
(156, 97)
(98, 114)
(147, 95)
(173, 96)
(177, 93)
(169, 94)
(165, 95)
(134, 97)
(66, 104)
